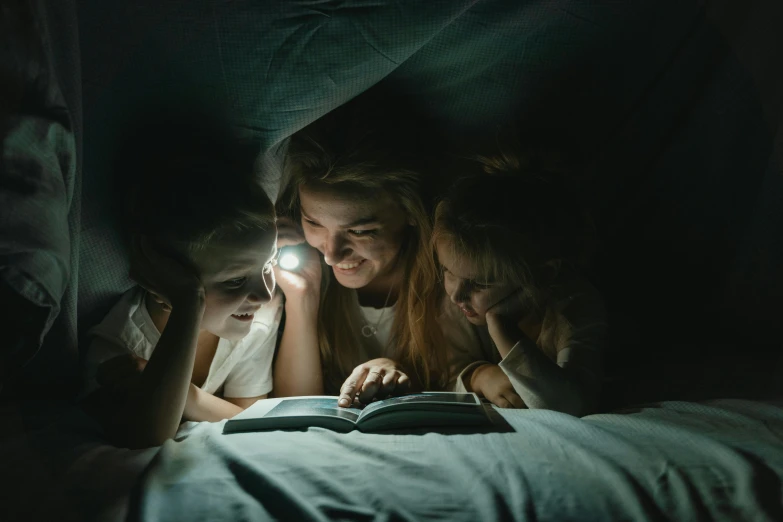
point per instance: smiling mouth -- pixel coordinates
(244, 317)
(348, 267)
(468, 312)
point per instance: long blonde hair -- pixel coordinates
(368, 164)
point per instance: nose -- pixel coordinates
(457, 293)
(334, 249)
(263, 291)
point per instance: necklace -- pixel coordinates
(369, 330)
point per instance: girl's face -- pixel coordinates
(359, 235)
(238, 279)
(466, 288)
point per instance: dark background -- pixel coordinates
(672, 110)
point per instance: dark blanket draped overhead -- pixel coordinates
(673, 107)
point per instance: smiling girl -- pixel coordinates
(510, 239)
(356, 309)
(196, 337)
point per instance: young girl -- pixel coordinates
(510, 240)
(354, 323)
(199, 331)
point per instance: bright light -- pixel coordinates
(288, 261)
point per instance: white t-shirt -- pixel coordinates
(239, 368)
(462, 341)
(463, 344)
(380, 320)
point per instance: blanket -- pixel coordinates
(717, 460)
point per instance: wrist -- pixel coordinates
(474, 377)
(305, 306)
(503, 330)
(497, 321)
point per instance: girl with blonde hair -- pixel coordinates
(195, 338)
(357, 307)
(511, 238)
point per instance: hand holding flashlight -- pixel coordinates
(298, 270)
(288, 260)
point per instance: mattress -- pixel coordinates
(718, 460)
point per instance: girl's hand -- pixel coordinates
(510, 307)
(503, 321)
(376, 379)
(303, 283)
(162, 275)
(491, 381)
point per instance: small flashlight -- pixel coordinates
(288, 259)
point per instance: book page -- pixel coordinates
(466, 399)
(313, 407)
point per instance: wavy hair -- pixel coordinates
(369, 164)
(516, 220)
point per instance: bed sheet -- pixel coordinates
(720, 460)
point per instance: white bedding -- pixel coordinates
(721, 460)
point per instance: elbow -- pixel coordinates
(570, 405)
(579, 402)
(146, 439)
(571, 400)
(576, 396)
(143, 444)
(577, 407)
(139, 431)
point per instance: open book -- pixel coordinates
(427, 409)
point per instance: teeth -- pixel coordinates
(347, 266)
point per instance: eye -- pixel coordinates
(310, 222)
(235, 283)
(362, 233)
(480, 286)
